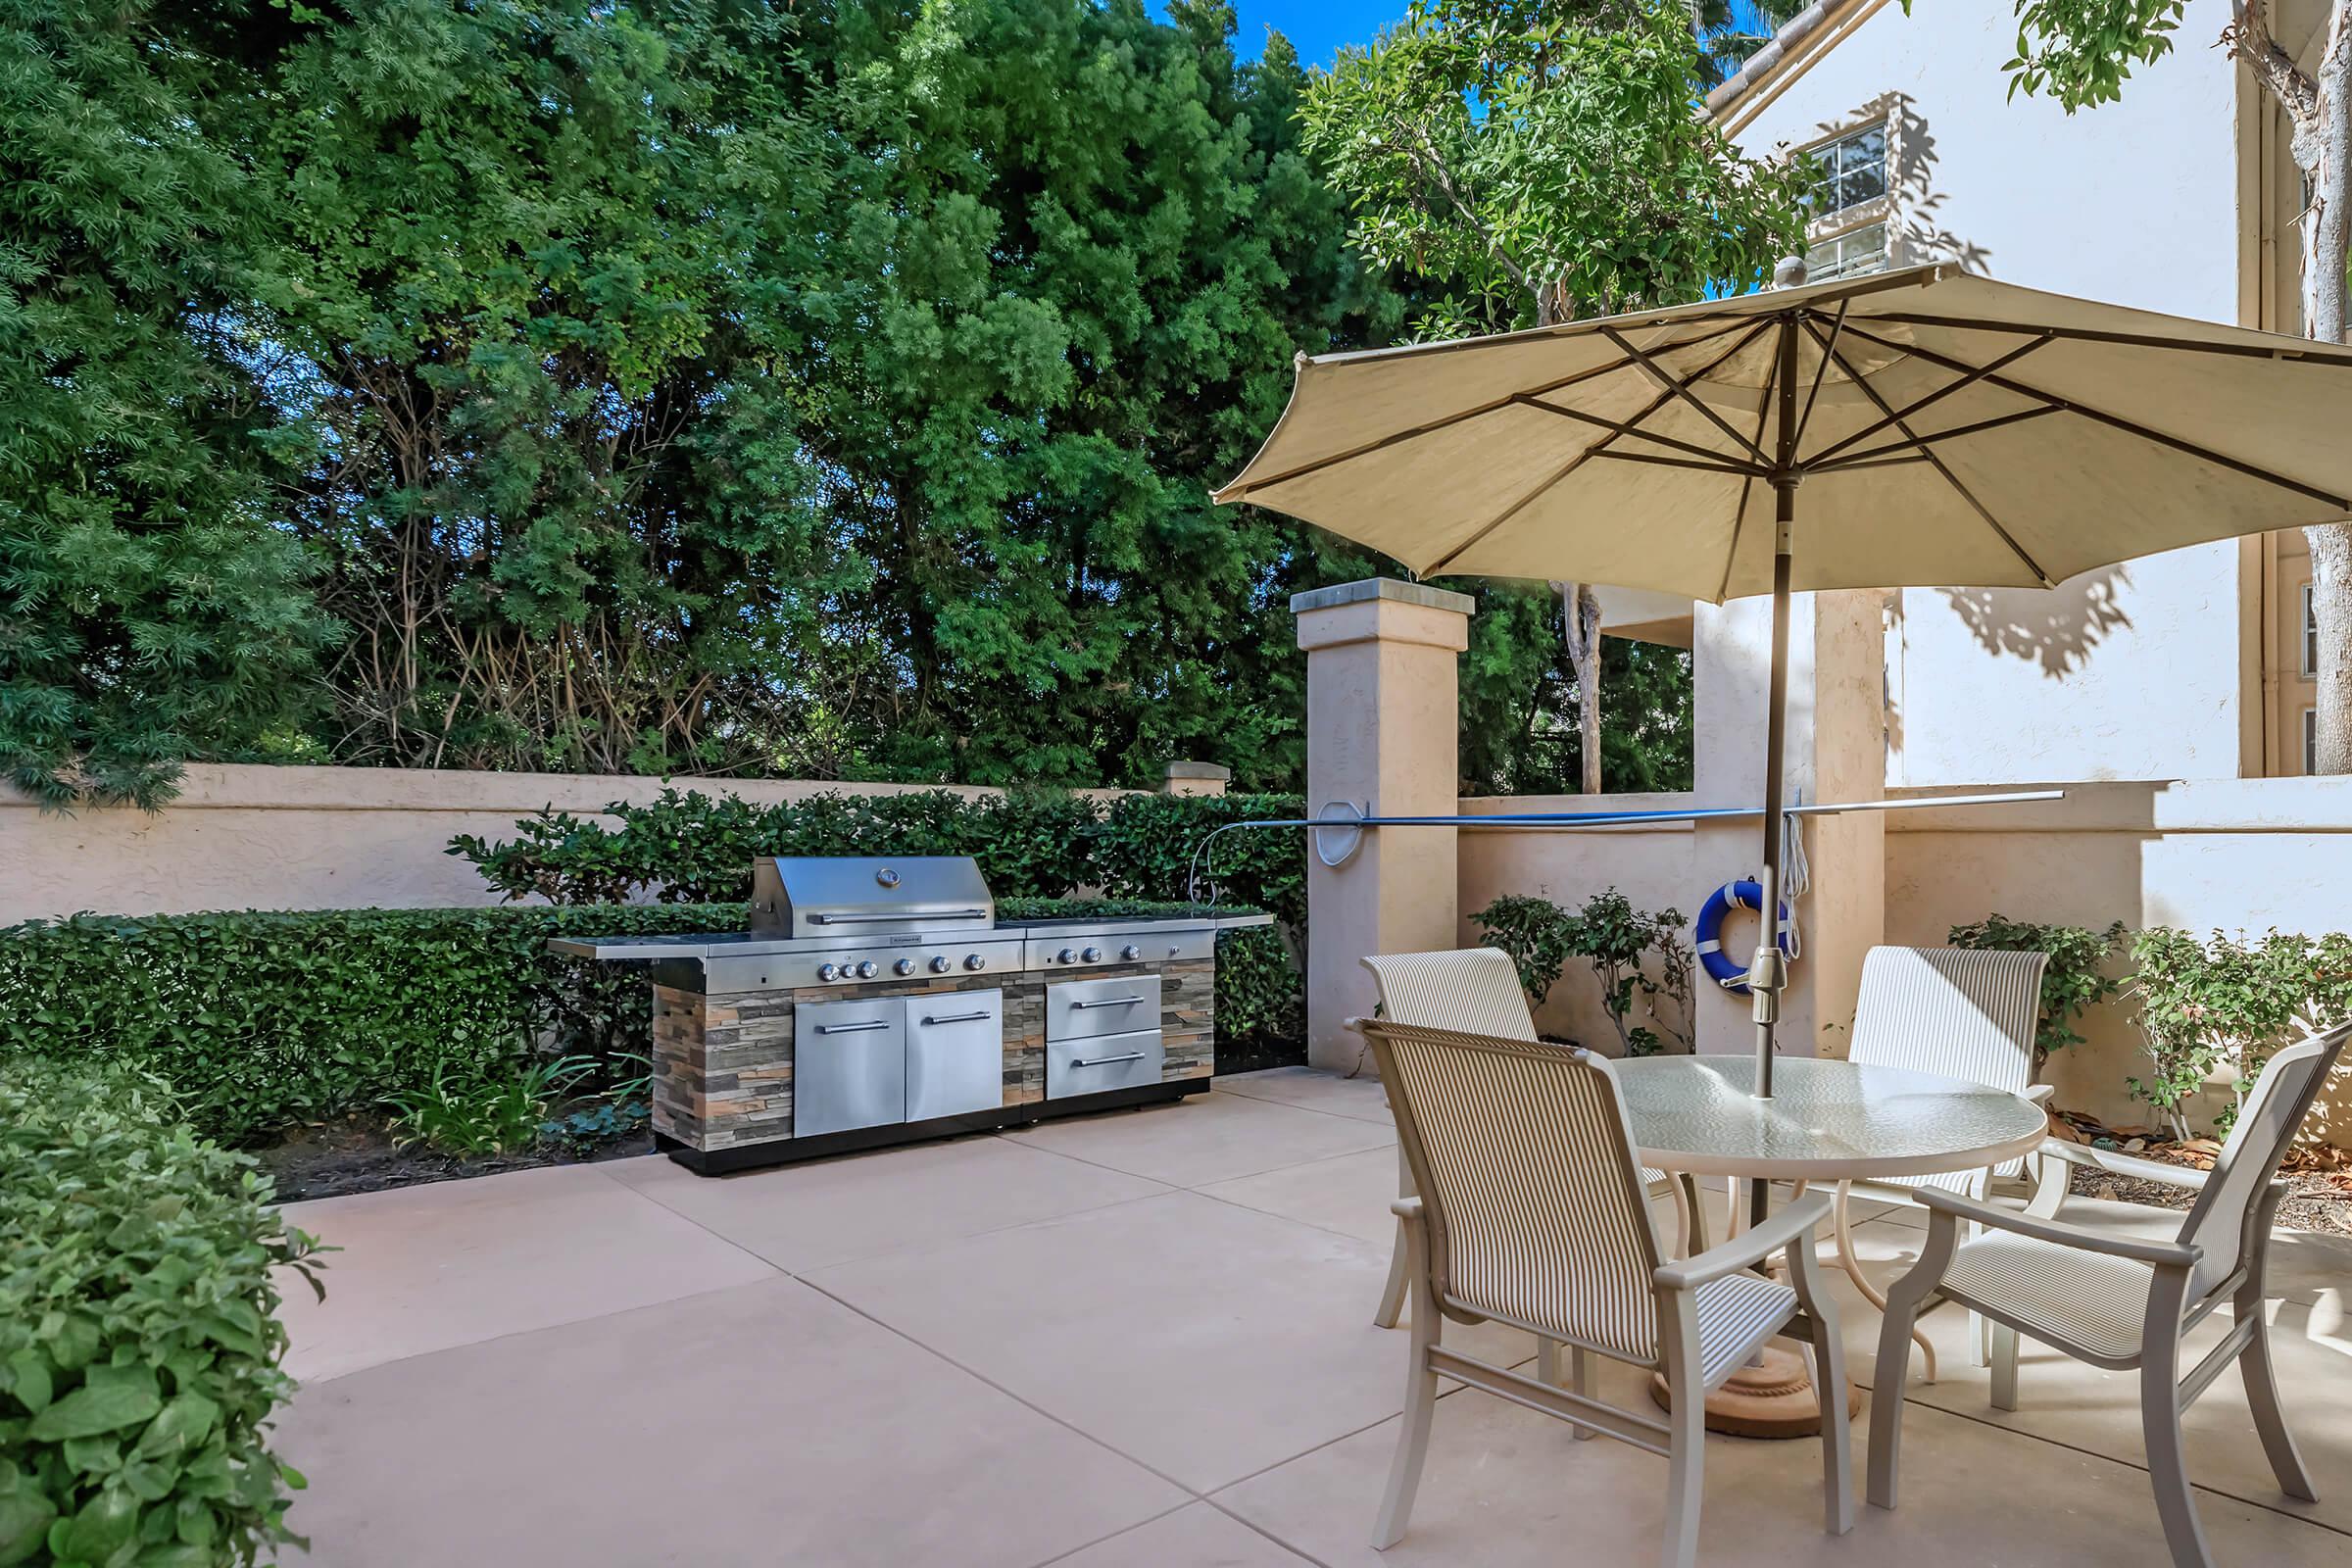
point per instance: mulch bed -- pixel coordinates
(357, 1154)
(2319, 1181)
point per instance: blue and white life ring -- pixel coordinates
(1708, 933)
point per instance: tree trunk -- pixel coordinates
(1580, 614)
(2323, 146)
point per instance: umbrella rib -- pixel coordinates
(2119, 422)
(1820, 372)
(1241, 489)
(1949, 478)
(1867, 457)
(2305, 351)
(1578, 461)
(1747, 486)
(1681, 389)
(1724, 463)
(1928, 399)
(1665, 461)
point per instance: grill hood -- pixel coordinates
(832, 895)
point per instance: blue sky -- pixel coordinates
(1317, 27)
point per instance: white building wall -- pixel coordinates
(2132, 672)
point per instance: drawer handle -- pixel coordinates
(1104, 1061)
(851, 1028)
(960, 1017)
(1106, 1002)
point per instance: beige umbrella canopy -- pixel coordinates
(1917, 427)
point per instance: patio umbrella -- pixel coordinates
(1919, 427)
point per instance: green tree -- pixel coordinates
(2081, 52)
(1539, 161)
(150, 609)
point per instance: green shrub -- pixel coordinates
(1144, 849)
(691, 848)
(1536, 933)
(462, 1116)
(2076, 979)
(1261, 997)
(140, 1343)
(258, 1019)
(2228, 1003)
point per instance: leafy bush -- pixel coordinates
(1261, 997)
(1144, 849)
(139, 1345)
(461, 1116)
(258, 1019)
(2228, 1003)
(2076, 979)
(1630, 953)
(691, 848)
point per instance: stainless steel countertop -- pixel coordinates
(746, 944)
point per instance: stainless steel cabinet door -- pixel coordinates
(955, 1054)
(849, 1065)
(1103, 1062)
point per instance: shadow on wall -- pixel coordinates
(1915, 231)
(2057, 628)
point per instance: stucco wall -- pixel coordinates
(305, 838)
(2134, 672)
(1651, 865)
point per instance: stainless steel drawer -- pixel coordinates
(849, 1065)
(1103, 1062)
(954, 1052)
(1076, 1009)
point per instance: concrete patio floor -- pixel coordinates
(1135, 1341)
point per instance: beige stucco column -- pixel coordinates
(1383, 732)
(1837, 752)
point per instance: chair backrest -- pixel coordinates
(1958, 1012)
(1535, 1210)
(1474, 990)
(2222, 1222)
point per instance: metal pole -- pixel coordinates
(1768, 973)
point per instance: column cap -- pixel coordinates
(1365, 589)
(1214, 772)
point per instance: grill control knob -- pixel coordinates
(941, 964)
(904, 966)
(1066, 955)
(1092, 955)
(973, 961)
(1131, 953)
(866, 970)
(826, 971)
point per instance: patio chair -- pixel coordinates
(1476, 990)
(1531, 1213)
(2121, 1301)
(1963, 1013)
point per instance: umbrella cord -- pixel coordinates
(1796, 875)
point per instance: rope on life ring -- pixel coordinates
(1708, 933)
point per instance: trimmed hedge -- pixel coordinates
(258, 1019)
(140, 1343)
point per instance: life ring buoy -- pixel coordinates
(1708, 933)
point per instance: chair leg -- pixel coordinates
(1580, 1383)
(1392, 1295)
(1693, 1208)
(1829, 1384)
(1686, 1430)
(1843, 1233)
(2167, 1463)
(2261, 1398)
(1420, 1404)
(1903, 1303)
(1676, 1190)
(2004, 1366)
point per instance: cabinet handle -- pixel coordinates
(960, 1017)
(851, 1028)
(1106, 1002)
(1104, 1061)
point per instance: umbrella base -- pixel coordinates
(1774, 1399)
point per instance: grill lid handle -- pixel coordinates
(845, 918)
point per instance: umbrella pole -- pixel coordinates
(1767, 972)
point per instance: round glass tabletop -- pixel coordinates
(1827, 1121)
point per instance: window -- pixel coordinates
(2311, 741)
(1850, 170)
(2311, 638)
(1848, 204)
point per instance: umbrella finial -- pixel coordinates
(1788, 272)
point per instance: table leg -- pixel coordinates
(1842, 1227)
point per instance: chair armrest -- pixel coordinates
(2107, 1159)
(1750, 1248)
(1406, 1209)
(2041, 1093)
(2157, 1254)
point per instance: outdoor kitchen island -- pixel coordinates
(879, 1000)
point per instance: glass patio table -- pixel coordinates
(1828, 1121)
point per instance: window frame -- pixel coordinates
(2311, 741)
(1837, 227)
(2307, 641)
